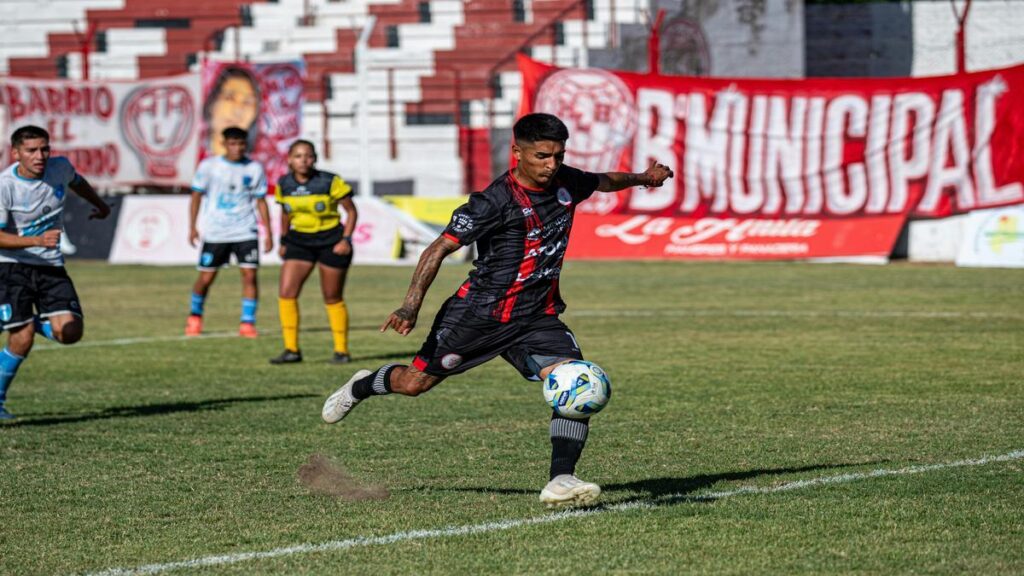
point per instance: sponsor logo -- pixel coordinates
(449, 361)
(148, 229)
(640, 229)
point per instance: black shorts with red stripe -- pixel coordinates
(460, 340)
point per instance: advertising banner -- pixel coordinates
(264, 99)
(115, 133)
(154, 230)
(832, 154)
(993, 238)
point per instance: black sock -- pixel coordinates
(377, 383)
(568, 437)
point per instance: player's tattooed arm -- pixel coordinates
(403, 320)
(653, 177)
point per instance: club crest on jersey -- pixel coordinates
(247, 181)
(6, 312)
(59, 192)
(462, 223)
(564, 198)
(320, 206)
(449, 361)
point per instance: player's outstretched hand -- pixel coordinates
(656, 174)
(50, 238)
(402, 321)
(100, 212)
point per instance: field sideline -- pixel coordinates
(778, 418)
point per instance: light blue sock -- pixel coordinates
(9, 363)
(44, 327)
(249, 310)
(197, 304)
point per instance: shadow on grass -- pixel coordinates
(146, 410)
(660, 491)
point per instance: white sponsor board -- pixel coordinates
(993, 238)
(139, 132)
(154, 230)
(935, 240)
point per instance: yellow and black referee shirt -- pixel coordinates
(313, 206)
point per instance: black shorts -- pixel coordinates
(27, 290)
(460, 340)
(216, 255)
(316, 247)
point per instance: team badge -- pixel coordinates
(247, 181)
(462, 223)
(320, 207)
(59, 192)
(564, 198)
(6, 312)
(449, 361)
(206, 258)
(74, 305)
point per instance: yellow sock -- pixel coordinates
(337, 314)
(288, 308)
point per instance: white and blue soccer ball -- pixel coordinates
(577, 389)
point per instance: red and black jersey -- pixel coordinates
(521, 235)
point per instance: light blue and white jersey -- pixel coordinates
(229, 190)
(29, 207)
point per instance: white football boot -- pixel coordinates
(568, 490)
(339, 404)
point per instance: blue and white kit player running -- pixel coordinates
(230, 189)
(36, 294)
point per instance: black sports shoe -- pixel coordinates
(341, 358)
(287, 357)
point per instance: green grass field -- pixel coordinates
(136, 447)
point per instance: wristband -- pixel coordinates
(347, 239)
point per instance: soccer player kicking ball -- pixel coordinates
(230, 184)
(36, 293)
(510, 303)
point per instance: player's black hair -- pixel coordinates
(235, 133)
(28, 133)
(301, 142)
(539, 126)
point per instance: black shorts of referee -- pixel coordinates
(316, 247)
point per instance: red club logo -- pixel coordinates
(158, 122)
(599, 111)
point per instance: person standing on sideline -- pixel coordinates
(313, 232)
(510, 303)
(36, 293)
(230, 184)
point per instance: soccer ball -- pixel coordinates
(577, 389)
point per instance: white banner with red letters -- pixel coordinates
(114, 133)
(154, 230)
(813, 168)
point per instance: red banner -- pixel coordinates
(849, 154)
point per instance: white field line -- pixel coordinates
(611, 313)
(925, 314)
(469, 529)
